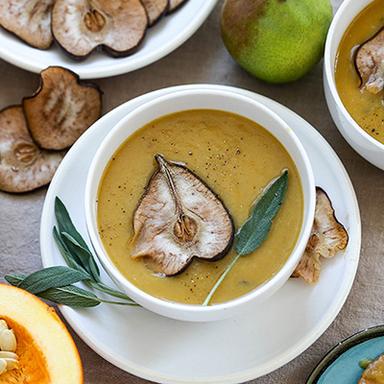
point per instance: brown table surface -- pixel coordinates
(203, 59)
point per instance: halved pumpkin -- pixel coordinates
(46, 351)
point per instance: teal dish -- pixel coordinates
(341, 364)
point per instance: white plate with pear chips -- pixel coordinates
(230, 351)
(161, 39)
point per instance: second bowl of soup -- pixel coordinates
(354, 76)
(172, 184)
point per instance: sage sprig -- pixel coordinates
(76, 252)
(73, 242)
(57, 292)
(56, 283)
(258, 225)
(52, 277)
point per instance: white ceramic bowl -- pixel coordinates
(198, 99)
(369, 148)
(161, 39)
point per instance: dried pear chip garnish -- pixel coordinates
(62, 108)
(374, 373)
(80, 26)
(174, 4)
(23, 165)
(369, 61)
(179, 218)
(155, 9)
(30, 20)
(328, 237)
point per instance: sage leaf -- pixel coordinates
(72, 296)
(77, 254)
(84, 254)
(258, 225)
(74, 242)
(69, 295)
(256, 229)
(52, 277)
(14, 279)
(65, 223)
(71, 260)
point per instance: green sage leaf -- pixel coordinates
(14, 279)
(255, 230)
(65, 223)
(71, 260)
(72, 296)
(83, 254)
(72, 242)
(78, 256)
(69, 295)
(52, 277)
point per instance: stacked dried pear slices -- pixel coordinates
(81, 26)
(35, 135)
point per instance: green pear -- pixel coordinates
(277, 41)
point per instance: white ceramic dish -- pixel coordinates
(176, 102)
(163, 38)
(364, 144)
(229, 351)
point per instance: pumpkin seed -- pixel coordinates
(8, 355)
(3, 366)
(8, 340)
(3, 325)
(12, 363)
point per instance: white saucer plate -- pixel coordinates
(161, 39)
(230, 351)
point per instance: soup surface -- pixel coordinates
(235, 157)
(367, 109)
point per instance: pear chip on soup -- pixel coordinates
(224, 161)
(179, 218)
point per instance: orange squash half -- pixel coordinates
(46, 351)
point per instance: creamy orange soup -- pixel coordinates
(237, 158)
(366, 109)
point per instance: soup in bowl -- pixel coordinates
(354, 76)
(170, 187)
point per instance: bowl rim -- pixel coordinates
(329, 71)
(92, 184)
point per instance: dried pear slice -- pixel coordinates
(155, 9)
(328, 237)
(61, 109)
(374, 373)
(369, 61)
(174, 4)
(80, 26)
(23, 165)
(179, 218)
(30, 20)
